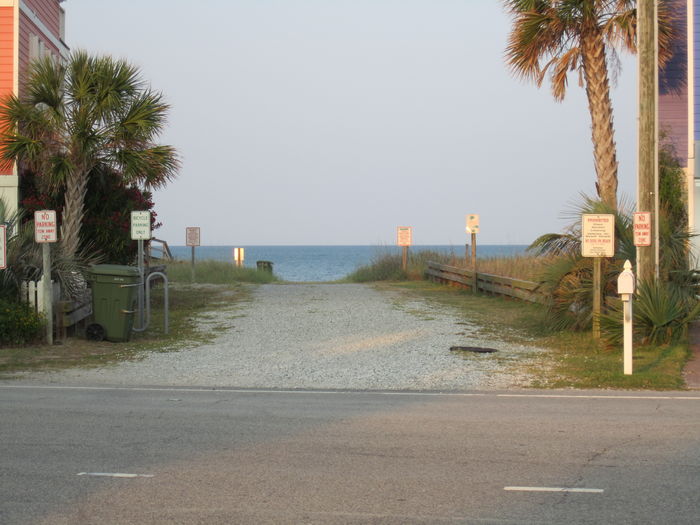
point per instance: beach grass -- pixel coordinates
(217, 272)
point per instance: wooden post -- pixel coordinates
(47, 291)
(404, 259)
(475, 283)
(647, 186)
(466, 255)
(597, 296)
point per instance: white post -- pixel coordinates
(625, 287)
(627, 333)
(47, 291)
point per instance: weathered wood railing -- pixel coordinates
(517, 288)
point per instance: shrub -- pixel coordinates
(19, 324)
(661, 312)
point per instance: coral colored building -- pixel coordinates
(29, 29)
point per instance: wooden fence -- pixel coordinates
(517, 288)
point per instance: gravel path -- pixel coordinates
(325, 336)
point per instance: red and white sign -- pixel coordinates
(45, 229)
(642, 228)
(192, 236)
(404, 236)
(3, 247)
(598, 235)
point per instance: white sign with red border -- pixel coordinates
(598, 235)
(3, 246)
(45, 229)
(404, 235)
(642, 228)
(192, 236)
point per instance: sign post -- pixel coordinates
(404, 238)
(473, 228)
(45, 233)
(141, 231)
(238, 256)
(3, 246)
(192, 239)
(597, 241)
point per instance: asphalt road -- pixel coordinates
(304, 457)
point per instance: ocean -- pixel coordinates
(324, 263)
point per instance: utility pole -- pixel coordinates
(648, 163)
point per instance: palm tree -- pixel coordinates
(77, 116)
(560, 36)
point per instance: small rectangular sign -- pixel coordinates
(642, 228)
(141, 225)
(404, 236)
(239, 255)
(473, 223)
(597, 235)
(3, 246)
(45, 229)
(192, 236)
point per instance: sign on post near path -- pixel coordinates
(192, 236)
(45, 229)
(598, 235)
(141, 225)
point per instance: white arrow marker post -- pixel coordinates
(625, 287)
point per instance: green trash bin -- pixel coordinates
(265, 266)
(114, 298)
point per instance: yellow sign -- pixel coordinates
(473, 223)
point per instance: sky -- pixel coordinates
(332, 122)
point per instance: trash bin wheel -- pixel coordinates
(95, 332)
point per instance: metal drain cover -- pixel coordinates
(476, 349)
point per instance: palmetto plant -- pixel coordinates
(557, 37)
(76, 116)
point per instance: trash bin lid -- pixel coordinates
(114, 269)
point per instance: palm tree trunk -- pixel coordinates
(598, 93)
(73, 211)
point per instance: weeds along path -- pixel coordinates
(326, 336)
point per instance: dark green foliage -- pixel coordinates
(108, 206)
(19, 324)
(662, 310)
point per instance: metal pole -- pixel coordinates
(47, 290)
(475, 283)
(141, 284)
(192, 276)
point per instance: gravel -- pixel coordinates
(327, 336)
